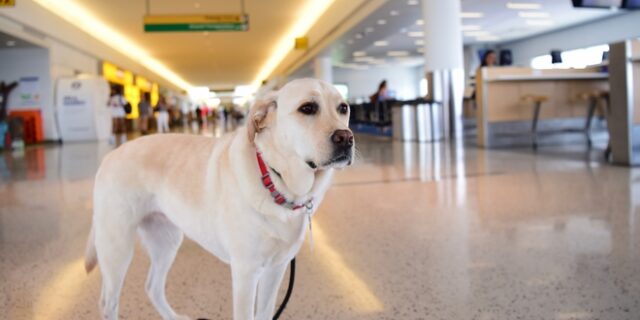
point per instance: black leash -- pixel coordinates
(287, 296)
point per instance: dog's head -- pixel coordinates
(304, 127)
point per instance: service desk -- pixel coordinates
(504, 118)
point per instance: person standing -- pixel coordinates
(117, 104)
(381, 94)
(144, 108)
(163, 115)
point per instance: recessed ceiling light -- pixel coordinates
(368, 29)
(381, 43)
(471, 15)
(11, 43)
(476, 33)
(382, 21)
(471, 27)
(362, 59)
(488, 38)
(539, 22)
(359, 53)
(359, 35)
(397, 53)
(394, 12)
(419, 42)
(412, 2)
(533, 14)
(523, 6)
(419, 22)
(416, 34)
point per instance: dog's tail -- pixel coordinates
(90, 256)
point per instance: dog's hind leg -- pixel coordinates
(114, 241)
(162, 240)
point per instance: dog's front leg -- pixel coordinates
(268, 286)
(245, 282)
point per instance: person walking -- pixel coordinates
(117, 104)
(163, 115)
(144, 109)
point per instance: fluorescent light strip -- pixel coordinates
(309, 14)
(88, 22)
(523, 6)
(471, 15)
(381, 43)
(487, 38)
(397, 53)
(533, 14)
(415, 34)
(359, 53)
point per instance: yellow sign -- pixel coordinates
(7, 3)
(302, 43)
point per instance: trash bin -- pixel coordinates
(403, 118)
(429, 122)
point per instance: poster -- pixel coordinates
(29, 92)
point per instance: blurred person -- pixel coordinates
(489, 59)
(163, 115)
(382, 94)
(144, 108)
(116, 104)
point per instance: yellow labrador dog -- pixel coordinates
(245, 197)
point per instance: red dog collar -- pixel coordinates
(277, 196)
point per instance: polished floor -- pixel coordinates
(412, 231)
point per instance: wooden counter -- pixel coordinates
(500, 91)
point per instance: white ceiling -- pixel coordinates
(499, 22)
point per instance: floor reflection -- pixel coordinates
(411, 231)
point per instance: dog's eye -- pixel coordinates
(343, 108)
(309, 108)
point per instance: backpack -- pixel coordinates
(127, 108)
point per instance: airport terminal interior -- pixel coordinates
(495, 158)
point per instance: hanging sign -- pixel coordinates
(211, 22)
(7, 3)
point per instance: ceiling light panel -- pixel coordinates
(534, 14)
(398, 53)
(381, 43)
(471, 15)
(524, 6)
(415, 34)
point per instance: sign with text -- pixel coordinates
(7, 3)
(185, 23)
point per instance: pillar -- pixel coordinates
(443, 53)
(323, 68)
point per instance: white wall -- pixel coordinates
(605, 31)
(404, 81)
(31, 62)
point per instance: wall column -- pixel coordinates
(444, 60)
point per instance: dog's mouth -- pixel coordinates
(342, 159)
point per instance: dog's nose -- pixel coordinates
(342, 138)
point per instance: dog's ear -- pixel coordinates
(258, 114)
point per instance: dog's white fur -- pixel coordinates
(164, 186)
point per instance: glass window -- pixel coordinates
(579, 58)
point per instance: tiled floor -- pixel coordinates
(413, 231)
